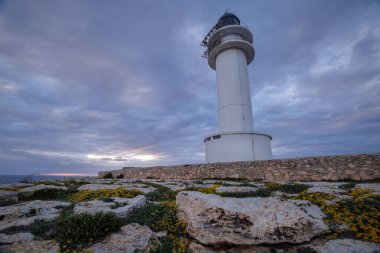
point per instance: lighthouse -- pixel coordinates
(229, 52)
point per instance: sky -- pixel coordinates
(93, 85)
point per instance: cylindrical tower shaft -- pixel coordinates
(234, 95)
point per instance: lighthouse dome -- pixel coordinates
(227, 19)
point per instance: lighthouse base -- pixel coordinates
(238, 146)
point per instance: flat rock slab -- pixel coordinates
(94, 187)
(241, 189)
(325, 184)
(199, 248)
(326, 187)
(95, 206)
(375, 187)
(174, 185)
(42, 186)
(14, 185)
(33, 246)
(8, 196)
(19, 237)
(233, 183)
(214, 220)
(24, 214)
(342, 246)
(131, 238)
(318, 246)
(325, 190)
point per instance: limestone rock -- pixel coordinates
(33, 246)
(199, 248)
(131, 238)
(14, 185)
(42, 186)
(139, 187)
(19, 237)
(242, 189)
(24, 214)
(325, 187)
(375, 187)
(175, 185)
(8, 196)
(127, 205)
(214, 220)
(317, 246)
(223, 182)
(343, 246)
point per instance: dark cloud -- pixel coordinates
(93, 85)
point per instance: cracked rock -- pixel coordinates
(214, 220)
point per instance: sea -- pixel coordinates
(17, 178)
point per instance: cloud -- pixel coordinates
(90, 85)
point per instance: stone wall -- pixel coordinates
(353, 167)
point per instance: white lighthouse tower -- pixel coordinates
(229, 51)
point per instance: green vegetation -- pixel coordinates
(261, 192)
(163, 217)
(46, 194)
(88, 195)
(73, 182)
(166, 246)
(12, 189)
(43, 229)
(207, 190)
(108, 175)
(47, 182)
(317, 198)
(7, 203)
(120, 176)
(347, 186)
(361, 214)
(161, 193)
(287, 188)
(76, 230)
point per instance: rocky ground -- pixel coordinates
(122, 215)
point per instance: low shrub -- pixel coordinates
(42, 229)
(88, 195)
(12, 189)
(166, 246)
(317, 198)
(160, 217)
(207, 190)
(74, 182)
(108, 175)
(347, 186)
(82, 229)
(47, 182)
(161, 194)
(361, 214)
(261, 192)
(120, 176)
(7, 202)
(287, 188)
(361, 193)
(46, 194)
